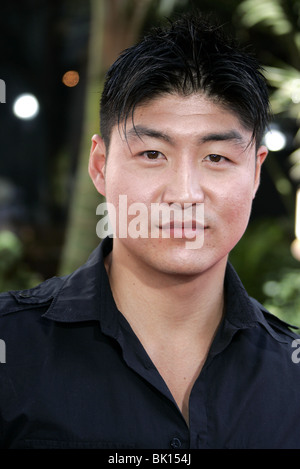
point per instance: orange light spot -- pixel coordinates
(70, 78)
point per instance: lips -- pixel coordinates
(189, 224)
(175, 221)
(178, 229)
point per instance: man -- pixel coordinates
(154, 343)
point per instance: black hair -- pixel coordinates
(189, 55)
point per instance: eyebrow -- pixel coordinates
(140, 131)
(232, 135)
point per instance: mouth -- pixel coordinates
(179, 229)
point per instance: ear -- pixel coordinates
(261, 155)
(97, 163)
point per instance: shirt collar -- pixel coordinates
(244, 312)
(85, 295)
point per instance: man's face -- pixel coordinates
(188, 151)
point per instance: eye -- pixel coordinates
(213, 158)
(152, 155)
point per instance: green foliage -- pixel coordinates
(279, 19)
(14, 273)
(268, 12)
(286, 95)
(283, 296)
(267, 269)
(263, 257)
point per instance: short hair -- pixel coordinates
(189, 55)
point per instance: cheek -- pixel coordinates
(116, 183)
(130, 185)
(239, 204)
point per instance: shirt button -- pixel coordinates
(175, 443)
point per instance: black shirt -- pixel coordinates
(76, 376)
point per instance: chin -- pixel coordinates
(180, 263)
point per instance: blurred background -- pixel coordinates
(54, 54)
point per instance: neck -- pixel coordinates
(154, 302)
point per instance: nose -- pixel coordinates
(184, 184)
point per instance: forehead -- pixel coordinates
(172, 117)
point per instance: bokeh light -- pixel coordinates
(26, 106)
(70, 78)
(275, 140)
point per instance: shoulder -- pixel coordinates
(71, 298)
(282, 329)
(41, 295)
(283, 346)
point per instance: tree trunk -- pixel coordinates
(115, 25)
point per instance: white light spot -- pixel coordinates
(26, 106)
(275, 140)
